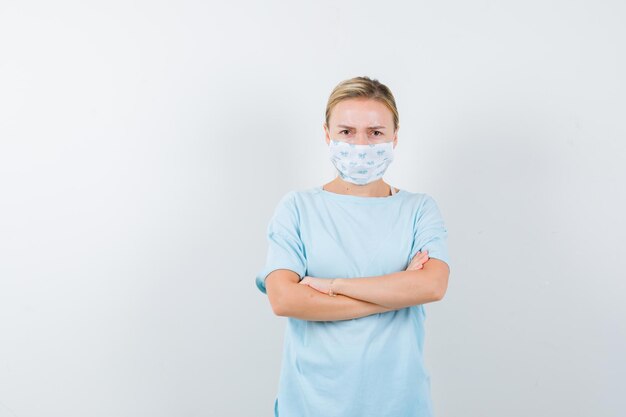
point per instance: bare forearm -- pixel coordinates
(305, 303)
(395, 290)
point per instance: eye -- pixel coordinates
(378, 131)
(345, 130)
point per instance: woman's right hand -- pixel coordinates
(418, 261)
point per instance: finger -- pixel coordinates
(418, 255)
(418, 260)
(417, 264)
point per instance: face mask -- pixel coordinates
(360, 164)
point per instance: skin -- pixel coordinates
(425, 279)
(394, 291)
(323, 284)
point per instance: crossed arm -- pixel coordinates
(357, 297)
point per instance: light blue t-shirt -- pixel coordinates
(364, 367)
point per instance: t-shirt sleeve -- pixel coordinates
(285, 249)
(430, 232)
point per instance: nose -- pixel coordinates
(360, 138)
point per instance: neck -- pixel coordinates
(376, 188)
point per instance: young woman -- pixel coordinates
(351, 264)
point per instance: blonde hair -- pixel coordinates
(363, 87)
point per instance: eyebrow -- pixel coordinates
(371, 127)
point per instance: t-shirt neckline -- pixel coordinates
(359, 199)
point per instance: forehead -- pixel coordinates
(361, 111)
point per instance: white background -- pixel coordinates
(144, 146)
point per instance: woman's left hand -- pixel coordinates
(320, 284)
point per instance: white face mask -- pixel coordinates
(360, 164)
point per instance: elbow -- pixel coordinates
(277, 297)
(438, 274)
(438, 294)
(279, 311)
(279, 308)
(276, 309)
(440, 288)
(280, 291)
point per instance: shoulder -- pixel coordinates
(419, 200)
(427, 201)
(423, 205)
(293, 202)
(298, 198)
(287, 198)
